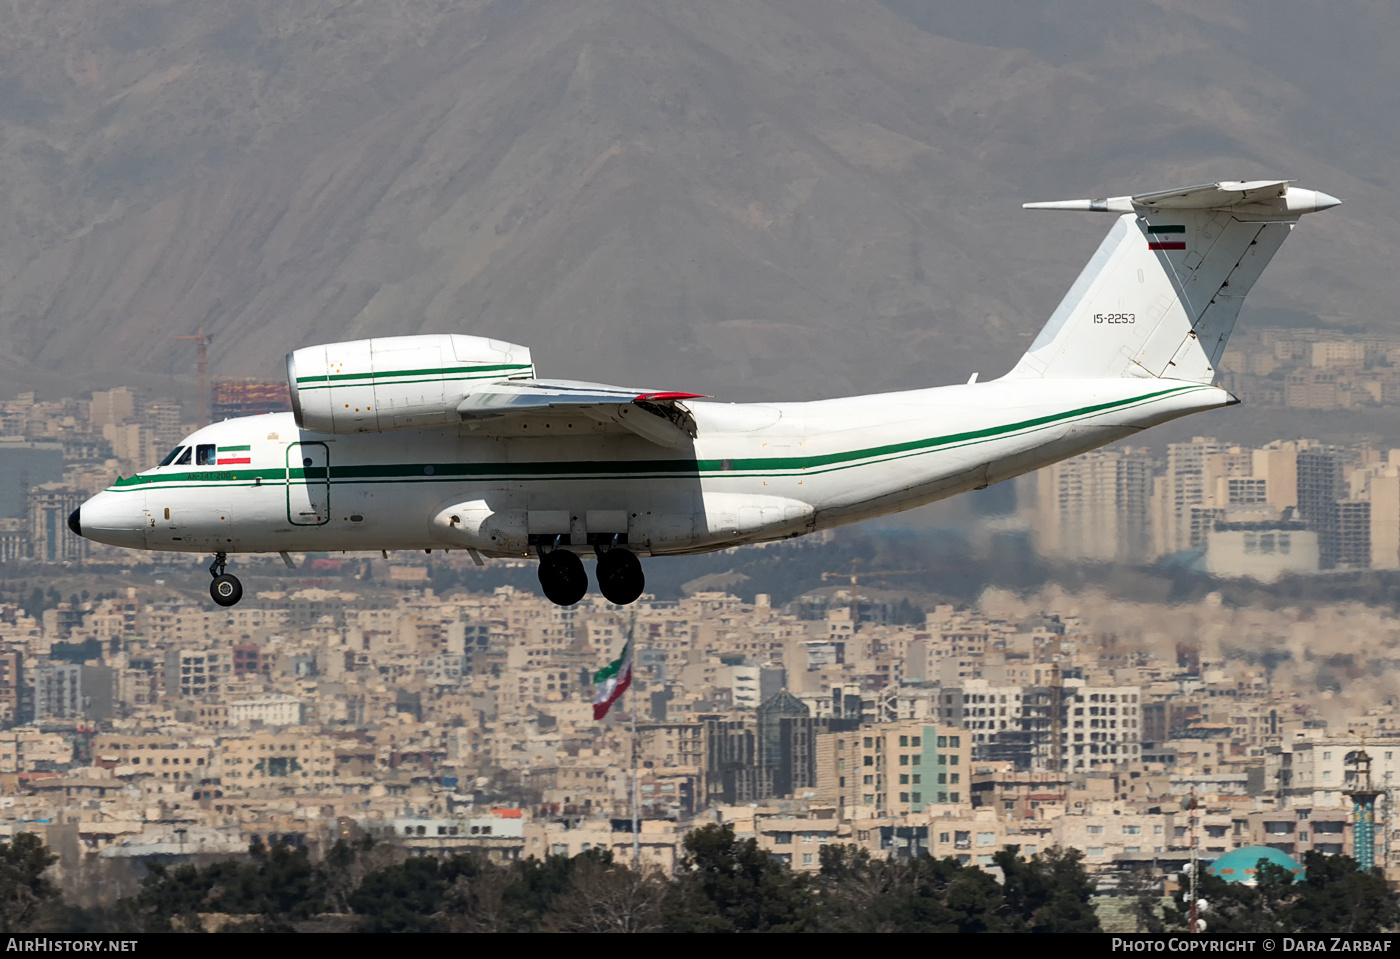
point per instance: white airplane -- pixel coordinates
(450, 442)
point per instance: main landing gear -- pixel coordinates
(564, 581)
(620, 577)
(561, 575)
(226, 590)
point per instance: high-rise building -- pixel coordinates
(1102, 726)
(134, 446)
(1277, 465)
(165, 420)
(1319, 488)
(1098, 726)
(773, 757)
(111, 407)
(1096, 507)
(73, 691)
(785, 743)
(12, 687)
(195, 673)
(1352, 522)
(14, 540)
(731, 762)
(891, 769)
(234, 398)
(49, 537)
(1189, 482)
(23, 466)
(1384, 490)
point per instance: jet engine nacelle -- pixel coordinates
(395, 382)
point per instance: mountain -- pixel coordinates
(750, 198)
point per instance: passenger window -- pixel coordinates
(170, 457)
(184, 459)
(206, 455)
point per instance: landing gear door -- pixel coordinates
(308, 484)
(669, 526)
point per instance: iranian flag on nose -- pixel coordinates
(612, 681)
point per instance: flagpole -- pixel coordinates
(636, 793)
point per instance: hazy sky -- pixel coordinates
(790, 198)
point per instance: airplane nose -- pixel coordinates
(112, 517)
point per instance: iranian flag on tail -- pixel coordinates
(612, 681)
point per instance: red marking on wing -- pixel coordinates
(665, 397)
(1167, 245)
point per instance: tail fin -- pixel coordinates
(1160, 296)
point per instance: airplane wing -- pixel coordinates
(440, 380)
(657, 416)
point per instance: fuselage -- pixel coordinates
(753, 472)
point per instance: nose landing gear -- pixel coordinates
(225, 590)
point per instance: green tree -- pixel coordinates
(60, 916)
(477, 902)
(34, 607)
(170, 900)
(1335, 896)
(468, 894)
(1145, 891)
(1050, 892)
(606, 897)
(535, 884)
(348, 862)
(725, 885)
(1332, 897)
(1234, 906)
(906, 614)
(406, 897)
(277, 885)
(23, 886)
(861, 894)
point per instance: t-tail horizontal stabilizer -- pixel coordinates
(1160, 295)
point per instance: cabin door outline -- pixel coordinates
(308, 484)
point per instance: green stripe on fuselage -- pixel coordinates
(639, 469)
(241, 477)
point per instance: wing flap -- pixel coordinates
(657, 416)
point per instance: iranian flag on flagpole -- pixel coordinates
(612, 681)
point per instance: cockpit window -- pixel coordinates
(184, 459)
(170, 457)
(205, 454)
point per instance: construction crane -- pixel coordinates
(1057, 709)
(855, 576)
(203, 339)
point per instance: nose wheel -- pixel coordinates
(562, 576)
(225, 590)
